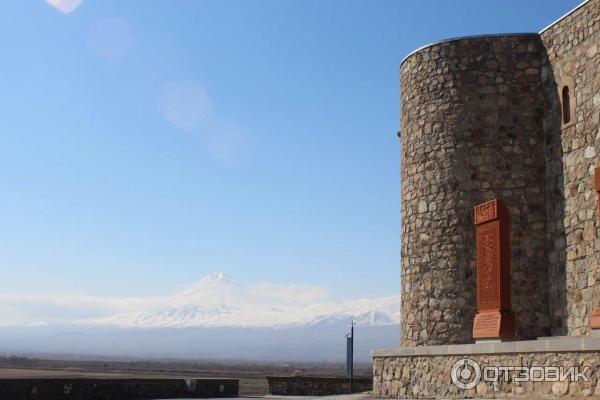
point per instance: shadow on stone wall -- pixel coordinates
(502, 156)
(555, 201)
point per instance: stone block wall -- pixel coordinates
(416, 377)
(472, 113)
(572, 151)
(116, 389)
(316, 386)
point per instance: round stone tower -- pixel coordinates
(471, 115)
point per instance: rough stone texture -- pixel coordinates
(316, 386)
(472, 114)
(116, 389)
(429, 376)
(573, 57)
(481, 118)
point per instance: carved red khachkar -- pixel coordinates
(494, 319)
(595, 317)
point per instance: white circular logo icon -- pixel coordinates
(465, 373)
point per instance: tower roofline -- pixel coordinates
(556, 21)
(465, 38)
(496, 34)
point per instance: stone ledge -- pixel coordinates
(558, 345)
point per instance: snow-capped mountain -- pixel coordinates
(214, 318)
(216, 301)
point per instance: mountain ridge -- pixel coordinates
(217, 301)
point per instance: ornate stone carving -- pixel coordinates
(494, 317)
(595, 319)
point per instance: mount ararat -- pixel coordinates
(220, 319)
(216, 301)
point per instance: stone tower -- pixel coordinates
(516, 117)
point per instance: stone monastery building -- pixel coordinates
(515, 117)
(500, 143)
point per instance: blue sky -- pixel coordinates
(147, 144)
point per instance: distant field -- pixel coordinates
(175, 367)
(253, 386)
(251, 374)
(16, 373)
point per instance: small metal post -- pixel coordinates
(350, 355)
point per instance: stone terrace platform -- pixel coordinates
(426, 371)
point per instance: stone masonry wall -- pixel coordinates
(429, 376)
(116, 389)
(316, 386)
(572, 151)
(471, 131)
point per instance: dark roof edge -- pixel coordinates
(497, 34)
(564, 16)
(465, 37)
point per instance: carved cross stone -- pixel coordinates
(494, 319)
(595, 317)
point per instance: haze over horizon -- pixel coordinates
(215, 317)
(214, 301)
